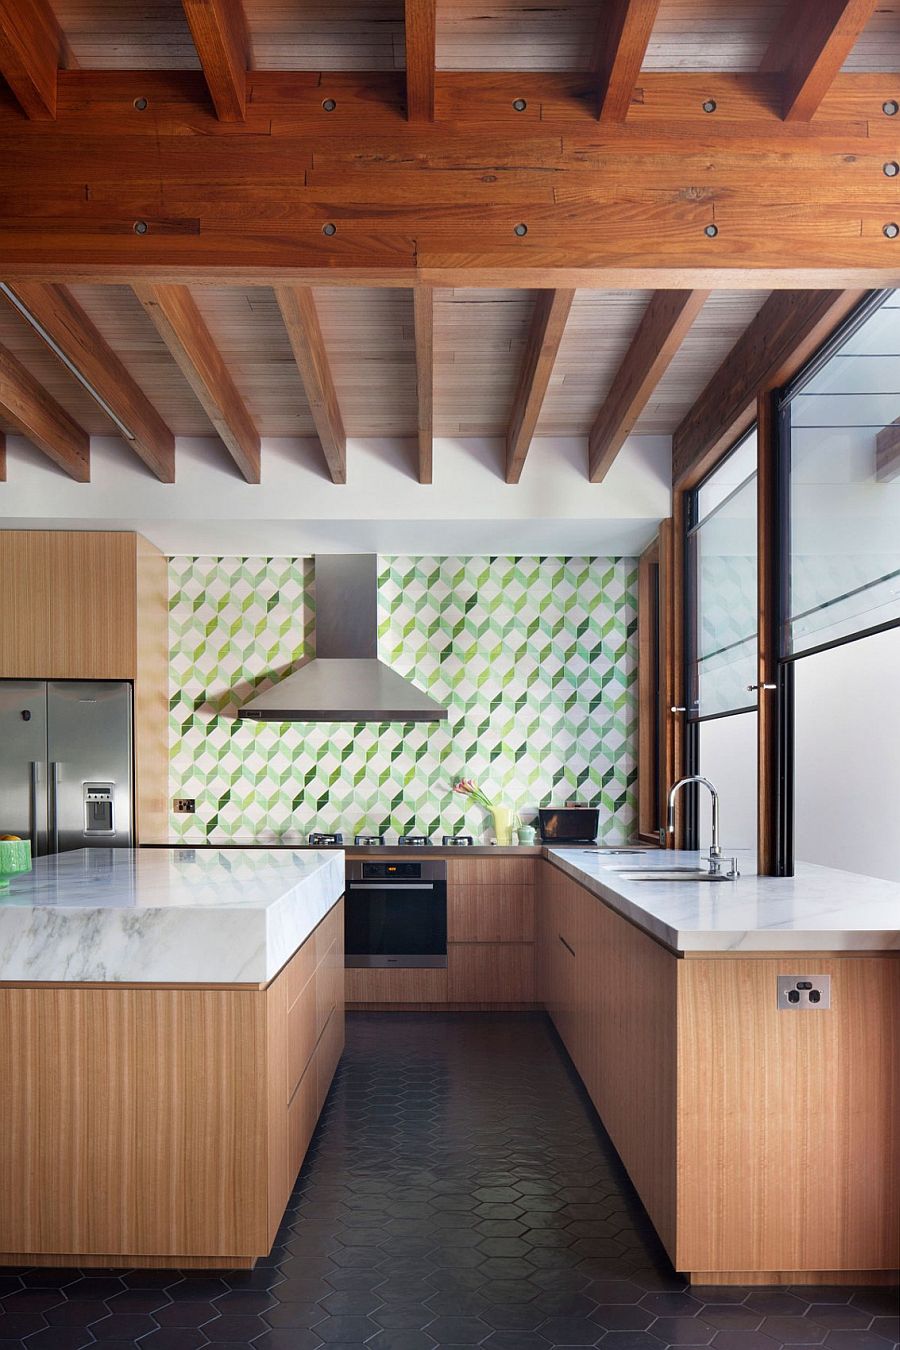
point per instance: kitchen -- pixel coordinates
(450, 881)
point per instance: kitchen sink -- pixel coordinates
(670, 874)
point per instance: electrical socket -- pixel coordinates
(803, 991)
(185, 806)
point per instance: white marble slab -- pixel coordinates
(180, 915)
(819, 909)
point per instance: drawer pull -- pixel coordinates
(569, 949)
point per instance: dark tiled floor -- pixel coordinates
(459, 1192)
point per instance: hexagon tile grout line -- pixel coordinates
(459, 1191)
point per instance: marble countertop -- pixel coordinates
(168, 916)
(818, 909)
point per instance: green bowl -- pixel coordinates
(15, 857)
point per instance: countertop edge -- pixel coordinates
(729, 942)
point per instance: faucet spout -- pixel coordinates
(715, 848)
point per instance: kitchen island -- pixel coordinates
(171, 1022)
(760, 1133)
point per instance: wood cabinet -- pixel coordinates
(490, 972)
(490, 931)
(490, 944)
(163, 1126)
(89, 605)
(71, 602)
(611, 991)
(761, 1143)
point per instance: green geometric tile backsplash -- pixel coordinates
(534, 658)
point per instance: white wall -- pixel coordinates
(847, 755)
(728, 760)
(296, 509)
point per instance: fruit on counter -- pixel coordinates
(10, 839)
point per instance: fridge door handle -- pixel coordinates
(33, 806)
(53, 781)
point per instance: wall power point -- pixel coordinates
(803, 991)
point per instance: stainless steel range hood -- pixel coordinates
(345, 682)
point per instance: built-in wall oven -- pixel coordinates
(395, 913)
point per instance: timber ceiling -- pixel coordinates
(433, 328)
(471, 35)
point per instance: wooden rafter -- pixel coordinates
(787, 330)
(810, 47)
(298, 309)
(63, 319)
(624, 32)
(32, 411)
(548, 323)
(662, 330)
(423, 324)
(602, 204)
(180, 324)
(421, 32)
(30, 49)
(219, 31)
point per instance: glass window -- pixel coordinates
(847, 756)
(723, 555)
(842, 429)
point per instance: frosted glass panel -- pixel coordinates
(727, 758)
(845, 488)
(847, 757)
(723, 545)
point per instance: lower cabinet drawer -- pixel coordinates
(303, 1113)
(328, 1052)
(302, 1033)
(410, 985)
(489, 972)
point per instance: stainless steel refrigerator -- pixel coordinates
(66, 763)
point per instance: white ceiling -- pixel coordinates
(296, 509)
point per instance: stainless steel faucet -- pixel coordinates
(715, 851)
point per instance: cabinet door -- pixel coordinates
(92, 605)
(488, 972)
(494, 913)
(25, 588)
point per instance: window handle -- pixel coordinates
(677, 710)
(751, 687)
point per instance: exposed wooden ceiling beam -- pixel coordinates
(30, 49)
(219, 31)
(665, 323)
(423, 324)
(421, 36)
(548, 323)
(32, 411)
(298, 310)
(602, 203)
(810, 47)
(63, 319)
(622, 38)
(786, 332)
(180, 324)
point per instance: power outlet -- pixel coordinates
(803, 991)
(185, 806)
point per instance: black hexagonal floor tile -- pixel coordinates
(458, 1192)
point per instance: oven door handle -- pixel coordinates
(390, 885)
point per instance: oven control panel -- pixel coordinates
(387, 871)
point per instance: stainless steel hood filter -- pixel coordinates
(345, 682)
